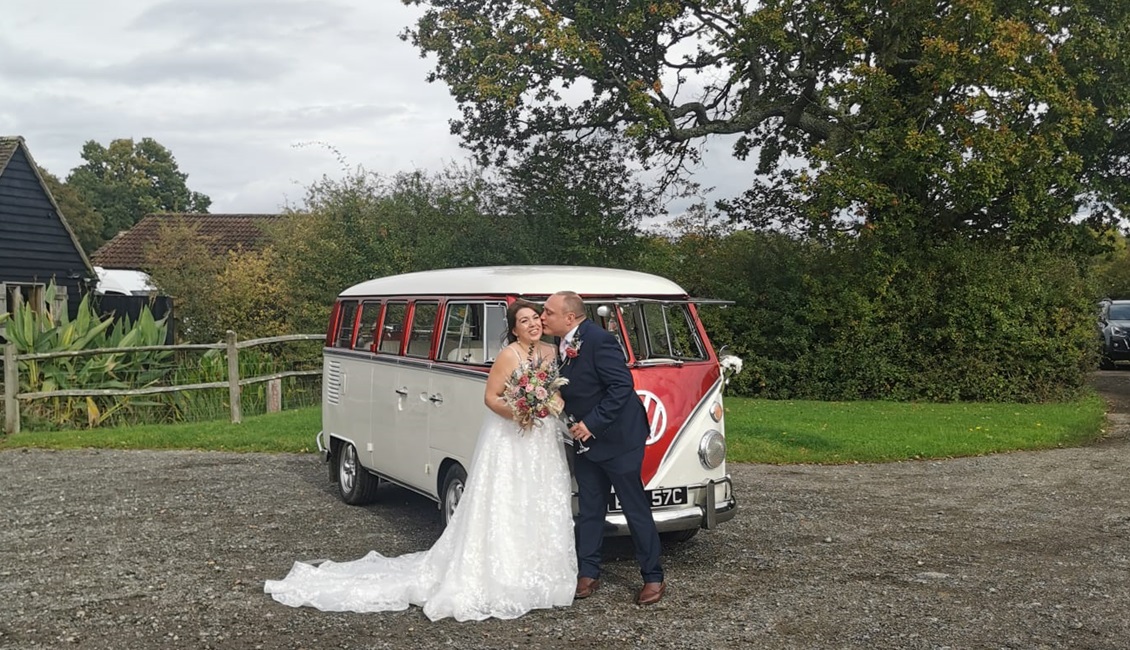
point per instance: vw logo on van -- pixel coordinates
(656, 415)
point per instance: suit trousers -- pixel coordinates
(594, 480)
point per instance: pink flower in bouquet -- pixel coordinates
(531, 392)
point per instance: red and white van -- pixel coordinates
(405, 367)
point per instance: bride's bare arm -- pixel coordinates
(500, 371)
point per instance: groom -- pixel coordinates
(612, 422)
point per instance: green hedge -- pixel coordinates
(958, 322)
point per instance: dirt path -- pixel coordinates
(170, 549)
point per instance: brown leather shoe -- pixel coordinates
(586, 587)
(651, 593)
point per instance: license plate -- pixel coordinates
(675, 496)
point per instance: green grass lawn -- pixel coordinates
(796, 431)
(757, 431)
(288, 431)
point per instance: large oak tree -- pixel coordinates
(1001, 120)
(127, 180)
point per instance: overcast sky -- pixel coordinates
(247, 94)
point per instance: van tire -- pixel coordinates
(454, 482)
(355, 484)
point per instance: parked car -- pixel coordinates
(1114, 321)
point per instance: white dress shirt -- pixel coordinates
(565, 340)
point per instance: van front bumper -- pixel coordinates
(707, 514)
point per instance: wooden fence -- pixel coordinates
(234, 382)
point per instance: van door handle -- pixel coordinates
(403, 392)
(436, 399)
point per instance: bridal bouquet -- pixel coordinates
(531, 392)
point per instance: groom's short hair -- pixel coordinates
(573, 303)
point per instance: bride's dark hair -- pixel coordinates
(512, 316)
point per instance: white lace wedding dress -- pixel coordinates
(508, 548)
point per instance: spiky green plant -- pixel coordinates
(35, 330)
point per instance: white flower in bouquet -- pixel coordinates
(731, 365)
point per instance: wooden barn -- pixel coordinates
(36, 244)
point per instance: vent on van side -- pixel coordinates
(333, 382)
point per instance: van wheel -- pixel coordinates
(453, 485)
(355, 484)
(678, 536)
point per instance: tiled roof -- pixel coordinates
(222, 233)
(8, 146)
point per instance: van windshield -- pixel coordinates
(661, 331)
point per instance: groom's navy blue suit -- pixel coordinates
(601, 393)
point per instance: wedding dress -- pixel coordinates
(508, 548)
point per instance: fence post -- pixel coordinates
(274, 396)
(60, 305)
(11, 387)
(233, 379)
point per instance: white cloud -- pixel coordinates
(233, 88)
(249, 95)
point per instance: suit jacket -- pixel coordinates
(601, 393)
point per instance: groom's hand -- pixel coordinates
(580, 432)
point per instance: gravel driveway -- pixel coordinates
(107, 549)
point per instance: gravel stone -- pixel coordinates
(169, 549)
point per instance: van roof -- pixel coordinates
(519, 280)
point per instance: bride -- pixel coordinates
(509, 546)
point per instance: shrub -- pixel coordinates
(958, 322)
(33, 331)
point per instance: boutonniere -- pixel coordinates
(573, 347)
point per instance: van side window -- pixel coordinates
(392, 327)
(634, 327)
(684, 334)
(423, 323)
(473, 332)
(610, 324)
(663, 331)
(346, 322)
(496, 330)
(367, 326)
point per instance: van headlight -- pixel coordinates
(712, 449)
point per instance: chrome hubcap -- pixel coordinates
(454, 494)
(347, 472)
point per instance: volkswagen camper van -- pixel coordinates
(406, 360)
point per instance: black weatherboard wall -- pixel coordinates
(130, 307)
(36, 245)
